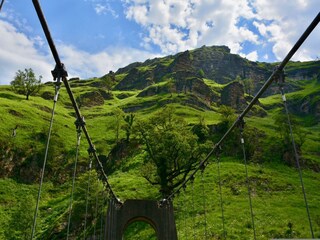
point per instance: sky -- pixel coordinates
(94, 37)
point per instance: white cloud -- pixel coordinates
(22, 52)
(104, 8)
(84, 65)
(18, 52)
(252, 56)
(176, 25)
(283, 22)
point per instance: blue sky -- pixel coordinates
(96, 36)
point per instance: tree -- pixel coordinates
(283, 130)
(128, 118)
(25, 82)
(172, 150)
(118, 117)
(248, 85)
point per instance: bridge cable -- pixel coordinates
(55, 99)
(101, 214)
(221, 199)
(204, 203)
(62, 73)
(185, 212)
(1, 5)
(280, 80)
(193, 209)
(96, 216)
(241, 125)
(87, 196)
(78, 127)
(293, 50)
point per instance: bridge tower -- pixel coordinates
(159, 215)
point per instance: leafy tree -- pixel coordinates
(201, 130)
(128, 124)
(227, 118)
(227, 115)
(283, 130)
(248, 85)
(107, 83)
(25, 82)
(118, 117)
(172, 150)
(201, 73)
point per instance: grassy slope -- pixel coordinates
(277, 198)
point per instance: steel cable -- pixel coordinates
(57, 89)
(74, 176)
(247, 178)
(296, 156)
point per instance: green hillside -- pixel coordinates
(197, 93)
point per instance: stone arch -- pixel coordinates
(160, 217)
(140, 219)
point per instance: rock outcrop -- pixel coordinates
(233, 95)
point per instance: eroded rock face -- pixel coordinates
(233, 95)
(309, 105)
(91, 99)
(136, 79)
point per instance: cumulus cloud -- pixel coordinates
(252, 56)
(283, 28)
(84, 64)
(22, 52)
(175, 25)
(19, 52)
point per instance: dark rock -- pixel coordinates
(91, 99)
(124, 95)
(136, 79)
(128, 68)
(47, 95)
(105, 95)
(309, 105)
(233, 95)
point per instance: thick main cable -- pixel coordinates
(59, 66)
(2, 1)
(298, 44)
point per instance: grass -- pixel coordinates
(276, 192)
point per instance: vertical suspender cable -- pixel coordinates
(96, 216)
(221, 200)
(193, 209)
(60, 71)
(57, 89)
(87, 198)
(297, 159)
(102, 214)
(204, 204)
(247, 178)
(265, 86)
(74, 175)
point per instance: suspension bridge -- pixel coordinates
(161, 213)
